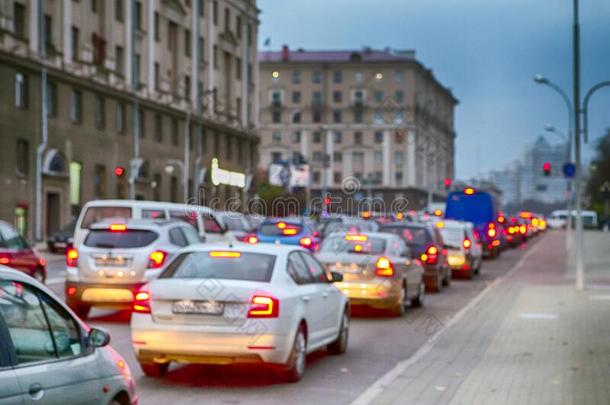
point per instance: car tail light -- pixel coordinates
(290, 231)
(5, 258)
(156, 259)
(467, 243)
(72, 257)
(523, 229)
(264, 306)
(252, 239)
(491, 232)
(431, 255)
(141, 302)
(118, 227)
(384, 268)
(306, 242)
(71, 291)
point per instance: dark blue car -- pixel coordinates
(289, 231)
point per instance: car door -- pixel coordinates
(52, 362)
(309, 295)
(411, 273)
(10, 390)
(330, 298)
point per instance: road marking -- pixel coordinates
(57, 280)
(538, 315)
(378, 386)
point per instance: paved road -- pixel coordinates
(377, 344)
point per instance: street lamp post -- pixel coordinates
(169, 169)
(554, 130)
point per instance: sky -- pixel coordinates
(486, 51)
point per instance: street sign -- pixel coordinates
(569, 170)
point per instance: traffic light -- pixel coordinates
(447, 183)
(546, 168)
(119, 171)
(327, 200)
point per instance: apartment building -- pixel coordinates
(377, 115)
(155, 88)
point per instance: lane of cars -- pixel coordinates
(268, 294)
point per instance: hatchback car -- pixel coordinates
(116, 259)
(17, 253)
(426, 243)
(289, 231)
(377, 270)
(464, 250)
(62, 240)
(50, 356)
(229, 304)
(237, 226)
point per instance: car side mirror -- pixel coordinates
(336, 277)
(98, 338)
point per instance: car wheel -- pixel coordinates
(421, 296)
(477, 270)
(447, 279)
(399, 309)
(154, 369)
(296, 362)
(339, 346)
(82, 311)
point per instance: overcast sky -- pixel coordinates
(486, 51)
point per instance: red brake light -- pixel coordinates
(141, 302)
(290, 231)
(156, 259)
(5, 258)
(263, 306)
(72, 257)
(467, 243)
(252, 239)
(306, 242)
(384, 268)
(431, 255)
(491, 232)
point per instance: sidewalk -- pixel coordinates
(531, 339)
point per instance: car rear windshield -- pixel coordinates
(359, 245)
(238, 266)
(280, 229)
(97, 214)
(235, 223)
(411, 235)
(453, 237)
(131, 238)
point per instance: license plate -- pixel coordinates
(198, 307)
(118, 261)
(352, 268)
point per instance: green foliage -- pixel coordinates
(600, 172)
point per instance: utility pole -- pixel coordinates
(134, 167)
(580, 268)
(43, 121)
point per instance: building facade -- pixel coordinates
(145, 90)
(378, 116)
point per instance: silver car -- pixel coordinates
(117, 258)
(50, 356)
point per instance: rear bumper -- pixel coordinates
(164, 343)
(113, 296)
(381, 294)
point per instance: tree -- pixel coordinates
(600, 173)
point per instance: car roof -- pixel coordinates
(382, 235)
(140, 224)
(261, 248)
(146, 204)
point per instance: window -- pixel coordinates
(157, 76)
(358, 116)
(210, 224)
(120, 117)
(76, 106)
(316, 76)
(378, 96)
(276, 137)
(398, 178)
(296, 117)
(358, 138)
(337, 76)
(399, 117)
(23, 157)
(276, 97)
(201, 5)
(358, 96)
(138, 16)
(136, 70)
(398, 158)
(298, 270)
(296, 76)
(21, 91)
(399, 137)
(316, 270)
(187, 42)
(100, 112)
(337, 177)
(316, 116)
(48, 32)
(337, 96)
(157, 29)
(99, 181)
(52, 99)
(378, 117)
(119, 60)
(175, 132)
(238, 69)
(337, 137)
(187, 86)
(378, 136)
(142, 122)
(337, 116)
(215, 57)
(26, 318)
(118, 10)
(399, 76)
(94, 6)
(201, 49)
(358, 77)
(75, 43)
(316, 98)
(227, 19)
(317, 156)
(358, 159)
(337, 157)
(316, 176)
(296, 137)
(176, 237)
(276, 157)
(215, 12)
(399, 96)
(238, 27)
(158, 128)
(378, 156)
(317, 137)
(276, 117)
(296, 97)
(19, 19)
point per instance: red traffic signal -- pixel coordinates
(327, 200)
(447, 182)
(119, 171)
(546, 168)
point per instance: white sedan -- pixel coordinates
(225, 304)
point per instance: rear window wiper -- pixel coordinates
(105, 245)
